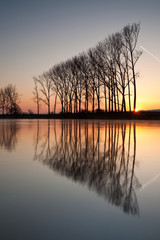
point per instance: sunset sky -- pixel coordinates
(35, 35)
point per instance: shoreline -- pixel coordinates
(141, 115)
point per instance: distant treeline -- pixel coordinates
(102, 78)
(9, 100)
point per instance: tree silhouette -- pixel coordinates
(9, 100)
(102, 78)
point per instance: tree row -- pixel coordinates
(103, 78)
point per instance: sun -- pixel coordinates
(136, 110)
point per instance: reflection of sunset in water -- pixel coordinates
(105, 155)
(102, 168)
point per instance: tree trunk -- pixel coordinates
(129, 92)
(49, 107)
(80, 104)
(115, 103)
(38, 108)
(105, 98)
(123, 101)
(109, 99)
(134, 82)
(117, 99)
(70, 104)
(55, 103)
(93, 101)
(98, 94)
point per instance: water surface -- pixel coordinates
(79, 179)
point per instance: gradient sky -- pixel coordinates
(35, 35)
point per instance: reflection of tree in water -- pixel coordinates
(8, 134)
(99, 155)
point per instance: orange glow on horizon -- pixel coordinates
(143, 103)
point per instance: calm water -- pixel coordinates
(68, 179)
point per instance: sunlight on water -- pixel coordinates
(92, 178)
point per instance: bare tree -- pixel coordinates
(57, 84)
(36, 97)
(2, 100)
(12, 100)
(45, 84)
(130, 35)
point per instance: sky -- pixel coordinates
(35, 35)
